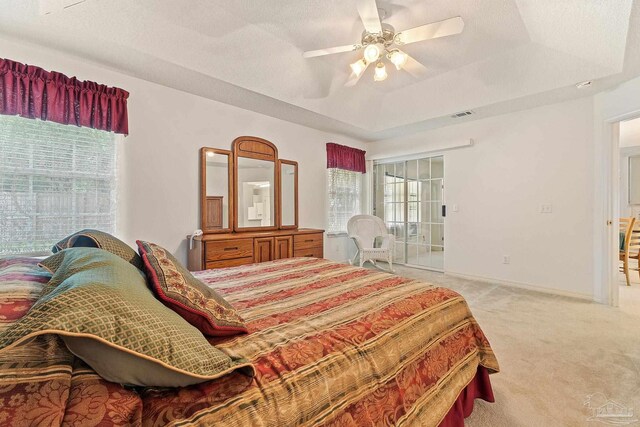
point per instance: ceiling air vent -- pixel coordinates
(462, 114)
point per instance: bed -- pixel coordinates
(332, 345)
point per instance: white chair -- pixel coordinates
(364, 229)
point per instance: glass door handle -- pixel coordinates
(444, 211)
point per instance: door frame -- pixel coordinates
(607, 244)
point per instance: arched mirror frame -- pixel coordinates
(293, 226)
(256, 148)
(203, 190)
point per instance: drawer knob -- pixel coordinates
(235, 248)
(309, 240)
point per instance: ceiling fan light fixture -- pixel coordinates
(372, 53)
(399, 59)
(358, 67)
(380, 42)
(380, 73)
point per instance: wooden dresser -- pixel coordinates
(232, 249)
(249, 208)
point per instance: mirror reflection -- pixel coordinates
(217, 191)
(255, 192)
(288, 191)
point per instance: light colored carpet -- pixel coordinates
(554, 352)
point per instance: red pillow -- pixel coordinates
(189, 297)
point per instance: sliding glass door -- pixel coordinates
(409, 197)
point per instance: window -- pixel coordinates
(54, 180)
(345, 198)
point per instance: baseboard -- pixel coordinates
(527, 286)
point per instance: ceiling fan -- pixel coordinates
(47, 7)
(380, 40)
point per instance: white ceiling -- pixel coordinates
(513, 54)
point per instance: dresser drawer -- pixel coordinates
(229, 262)
(305, 241)
(229, 249)
(316, 252)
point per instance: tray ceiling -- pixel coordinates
(513, 54)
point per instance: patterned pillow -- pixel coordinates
(52, 263)
(101, 306)
(99, 239)
(189, 297)
(21, 283)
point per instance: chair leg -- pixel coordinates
(355, 257)
(361, 260)
(390, 263)
(626, 270)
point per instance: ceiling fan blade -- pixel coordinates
(47, 7)
(70, 3)
(354, 78)
(368, 10)
(331, 50)
(434, 30)
(413, 67)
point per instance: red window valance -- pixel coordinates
(343, 157)
(34, 93)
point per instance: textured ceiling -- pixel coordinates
(513, 54)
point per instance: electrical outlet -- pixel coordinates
(506, 259)
(546, 208)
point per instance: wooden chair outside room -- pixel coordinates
(630, 248)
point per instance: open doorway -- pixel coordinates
(628, 282)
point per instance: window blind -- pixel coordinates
(345, 198)
(54, 180)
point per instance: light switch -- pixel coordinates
(546, 208)
(454, 208)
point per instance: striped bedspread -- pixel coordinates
(332, 345)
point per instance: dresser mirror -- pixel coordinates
(247, 189)
(256, 198)
(216, 190)
(288, 194)
(257, 184)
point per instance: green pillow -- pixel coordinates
(99, 239)
(101, 306)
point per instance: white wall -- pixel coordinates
(518, 162)
(158, 176)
